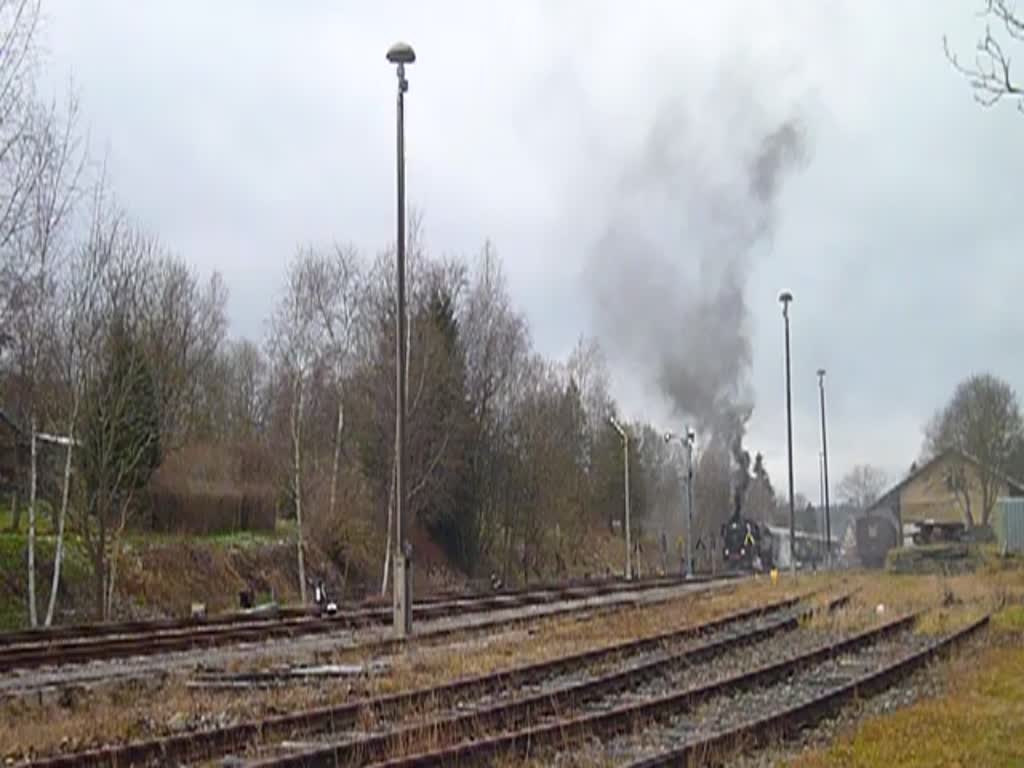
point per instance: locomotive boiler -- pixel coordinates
(746, 544)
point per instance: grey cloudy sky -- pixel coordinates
(238, 130)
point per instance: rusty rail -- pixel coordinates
(122, 644)
(110, 629)
(790, 719)
(616, 720)
(522, 710)
(215, 742)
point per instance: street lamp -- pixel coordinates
(401, 54)
(785, 298)
(688, 443)
(625, 464)
(824, 470)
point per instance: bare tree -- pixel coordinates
(982, 422)
(55, 167)
(990, 74)
(246, 380)
(19, 155)
(80, 324)
(862, 486)
(295, 344)
(336, 282)
(120, 432)
(183, 325)
(496, 347)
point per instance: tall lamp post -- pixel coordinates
(688, 444)
(625, 468)
(824, 470)
(785, 298)
(401, 54)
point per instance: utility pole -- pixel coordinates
(625, 464)
(785, 298)
(690, 436)
(824, 470)
(401, 54)
(688, 443)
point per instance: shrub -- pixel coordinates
(212, 488)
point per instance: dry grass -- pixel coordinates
(979, 721)
(946, 602)
(137, 712)
(992, 707)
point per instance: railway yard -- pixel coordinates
(655, 672)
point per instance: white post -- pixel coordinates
(625, 464)
(629, 545)
(32, 615)
(689, 506)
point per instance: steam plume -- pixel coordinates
(668, 276)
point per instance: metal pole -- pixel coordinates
(625, 469)
(689, 509)
(629, 550)
(824, 470)
(789, 442)
(821, 492)
(402, 558)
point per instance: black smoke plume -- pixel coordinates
(668, 276)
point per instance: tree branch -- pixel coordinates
(991, 74)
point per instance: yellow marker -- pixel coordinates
(775, 576)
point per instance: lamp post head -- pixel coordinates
(784, 298)
(821, 374)
(401, 53)
(690, 435)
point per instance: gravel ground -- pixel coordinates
(928, 682)
(726, 711)
(673, 676)
(47, 683)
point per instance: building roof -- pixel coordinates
(1016, 486)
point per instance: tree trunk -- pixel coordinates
(108, 596)
(968, 512)
(116, 538)
(99, 558)
(33, 617)
(58, 556)
(15, 512)
(337, 457)
(297, 443)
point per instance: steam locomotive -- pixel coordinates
(746, 544)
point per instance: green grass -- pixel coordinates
(75, 570)
(44, 519)
(1010, 620)
(285, 530)
(980, 722)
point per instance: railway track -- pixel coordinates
(566, 686)
(269, 614)
(81, 644)
(208, 744)
(818, 676)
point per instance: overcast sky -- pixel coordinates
(238, 130)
